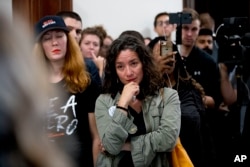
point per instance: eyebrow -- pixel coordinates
(71, 27)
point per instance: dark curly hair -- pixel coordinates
(180, 73)
(152, 80)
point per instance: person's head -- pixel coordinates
(23, 102)
(73, 22)
(204, 40)
(132, 33)
(162, 27)
(107, 41)
(190, 31)
(207, 21)
(147, 40)
(54, 45)
(91, 41)
(129, 59)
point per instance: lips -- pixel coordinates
(56, 51)
(130, 80)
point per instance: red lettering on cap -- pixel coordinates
(48, 22)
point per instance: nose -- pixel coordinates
(91, 46)
(129, 71)
(189, 32)
(206, 44)
(54, 41)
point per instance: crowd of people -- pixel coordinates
(103, 102)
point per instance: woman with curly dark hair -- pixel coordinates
(137, 120)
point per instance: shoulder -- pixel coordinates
(167, 94)
(90, 64)
(204, 55)
(105, 99)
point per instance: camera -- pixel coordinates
(233, 41)
(165, 47)
(179, 18)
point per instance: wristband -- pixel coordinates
(122, 108)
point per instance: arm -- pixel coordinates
(99, 62)
(227, 90)
(209, 102)
(113, 128)
(162, 138)
(95, 137)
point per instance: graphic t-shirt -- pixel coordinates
(67, 121)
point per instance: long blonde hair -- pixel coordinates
(75, 73)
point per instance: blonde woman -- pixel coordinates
(71, 114)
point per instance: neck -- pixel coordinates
(184, 50)
(56, 72)
(170, 81)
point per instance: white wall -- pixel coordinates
(117, 15)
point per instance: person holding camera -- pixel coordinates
(203, 68)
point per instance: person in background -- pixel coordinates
(71, 110)
(90, 44)
(23, 94)
(147, 40)
(106, 44)
(134, 33)
(137, 119)
(204, 69)
(206, 72)
(162, 27)
(73, 22)
(207, 22)
(205, 40)
(191, 94)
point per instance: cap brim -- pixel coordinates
(38, 37)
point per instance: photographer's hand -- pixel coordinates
(164, 63)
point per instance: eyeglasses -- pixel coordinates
(160, 23)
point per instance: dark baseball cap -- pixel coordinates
(50, 22)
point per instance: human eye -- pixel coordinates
(160, 23)
(87, 43)
(202, 41)
(134, 63)
(96, 44)
(119, 66)
(185, 28)
(46, 37)
(78, 31)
